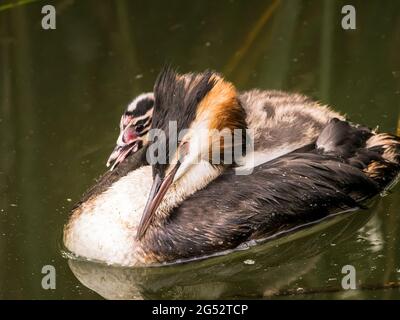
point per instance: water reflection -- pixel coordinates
(267, 270)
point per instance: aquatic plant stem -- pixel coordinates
(12, 5)
(252, 35)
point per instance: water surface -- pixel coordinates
(62, 92)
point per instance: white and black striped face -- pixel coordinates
(134, 126)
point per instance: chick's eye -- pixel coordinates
(139, 128)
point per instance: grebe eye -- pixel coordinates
(139, 128)
(183, 149)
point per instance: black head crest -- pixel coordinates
(176, 99)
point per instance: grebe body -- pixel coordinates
(313, 163)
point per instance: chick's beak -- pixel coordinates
(128, 142)
(157, 192)
(120, 153)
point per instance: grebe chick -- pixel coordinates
(134, 126)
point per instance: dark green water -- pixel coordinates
(62, 92)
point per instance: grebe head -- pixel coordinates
(208, 121)
(134, 126)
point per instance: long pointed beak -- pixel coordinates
(157, 192)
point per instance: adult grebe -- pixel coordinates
(199, 209)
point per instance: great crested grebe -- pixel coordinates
(184, 209)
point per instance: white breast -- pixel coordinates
(104, 228)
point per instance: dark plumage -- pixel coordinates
(303, 186)
(177, 97)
